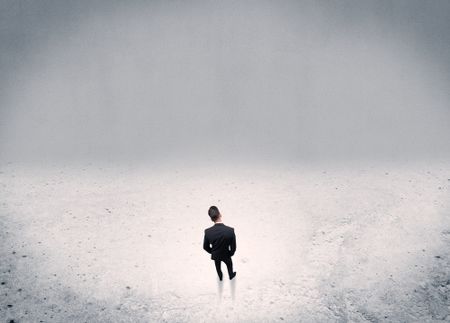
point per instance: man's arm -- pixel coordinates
(206, 245)
(233, 244)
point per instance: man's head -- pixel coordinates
(214, 213)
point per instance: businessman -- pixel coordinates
(220, 242)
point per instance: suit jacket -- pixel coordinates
(222, 239)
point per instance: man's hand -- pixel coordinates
(233, 244)
(206, 245)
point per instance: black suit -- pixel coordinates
(220, 242)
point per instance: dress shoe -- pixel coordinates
(233, 275)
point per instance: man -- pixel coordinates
(223, 241)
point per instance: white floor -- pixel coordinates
(315, 243)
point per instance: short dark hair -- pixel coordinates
(213, 213)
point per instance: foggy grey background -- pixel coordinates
(279, 80)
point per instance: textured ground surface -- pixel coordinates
(98, 243)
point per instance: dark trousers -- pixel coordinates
(227, 262)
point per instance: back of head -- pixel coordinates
(214, 213)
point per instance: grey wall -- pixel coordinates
(83, 80)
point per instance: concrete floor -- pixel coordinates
(315, 243)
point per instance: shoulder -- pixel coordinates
(230, 228)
